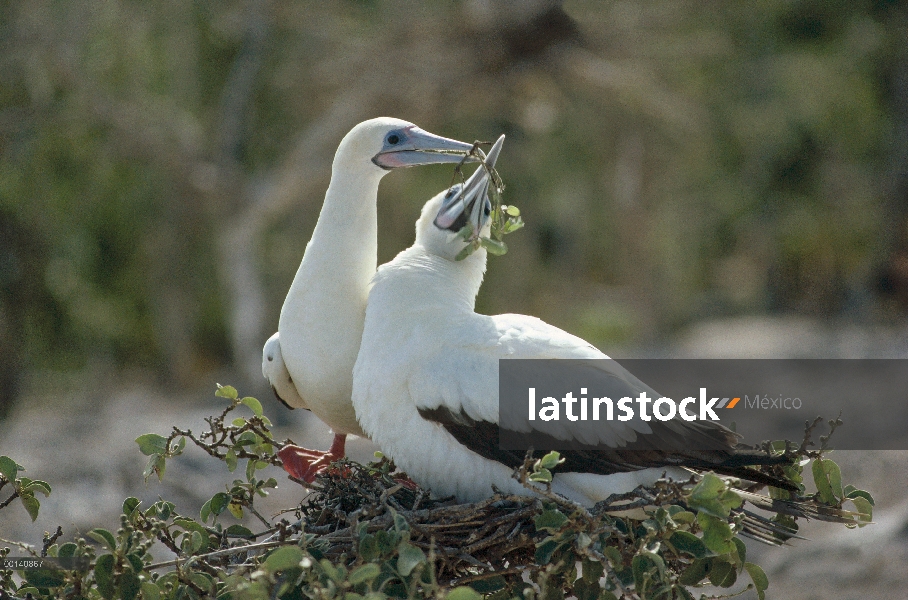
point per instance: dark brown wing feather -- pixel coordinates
(693, 445)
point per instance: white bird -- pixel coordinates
(321, 321)
(426, 382)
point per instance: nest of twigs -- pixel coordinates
(467, 541)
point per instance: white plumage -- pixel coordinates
(426, 355)
(322, 317)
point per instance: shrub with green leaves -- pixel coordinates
(367, 531)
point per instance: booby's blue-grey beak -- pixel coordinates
(411, 146)
(469, 203)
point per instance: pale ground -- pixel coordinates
(81, 442)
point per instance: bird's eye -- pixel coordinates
(393, 139)
(452, 191)
(488, 210)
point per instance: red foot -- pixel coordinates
(306, 464)
(405, 481)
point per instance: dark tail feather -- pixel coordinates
(765, 530)
(806, 509)
(750, 474)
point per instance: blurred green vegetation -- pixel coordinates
(162, 164)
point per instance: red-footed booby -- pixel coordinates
(425, 385)
(321, 321)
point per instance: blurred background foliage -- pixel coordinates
(162, 164)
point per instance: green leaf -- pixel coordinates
(711, 496)
(31, 504)
(717, 534)
(463, 592)
(489, 585)
(104, 577)
(408, 557)
(160, 466)
(828, 478)
(739, 556)
(130, 585)
(335, 574)
(40, 486)
(226, 391)
(237, 530)
(386, 540)
(851, 492)
(368, 548)
(593, 570)
(254, 404)
(512, 211)
(513, 225)
(130, 505)
(741, 551)
(761, 583)
(551, 519)
(550, 460)
(164, 509)
(681, 593)
(136, 561)
(157, 465)
(104, 537)
(613, 555)
(684, 517)
(286, 557)
(400, 522)
(645, 563)
(191, 526)
(219, 503)
(205, 511)
(696, 572)
(202, 581)
(688, 543)
(151, 444)
(465, 232)
(192, 542)
(786, 521)
(44, 578)
(150, 591)
(542, 475)
(67, 550)
(8, 468)
(723, 574)
(468, 250)
(865, 508)
(231, 460)
(494, 247)
(546, 550)
(364, 574)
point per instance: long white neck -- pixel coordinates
(344, 246)
(429, 283)
(322, 317)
